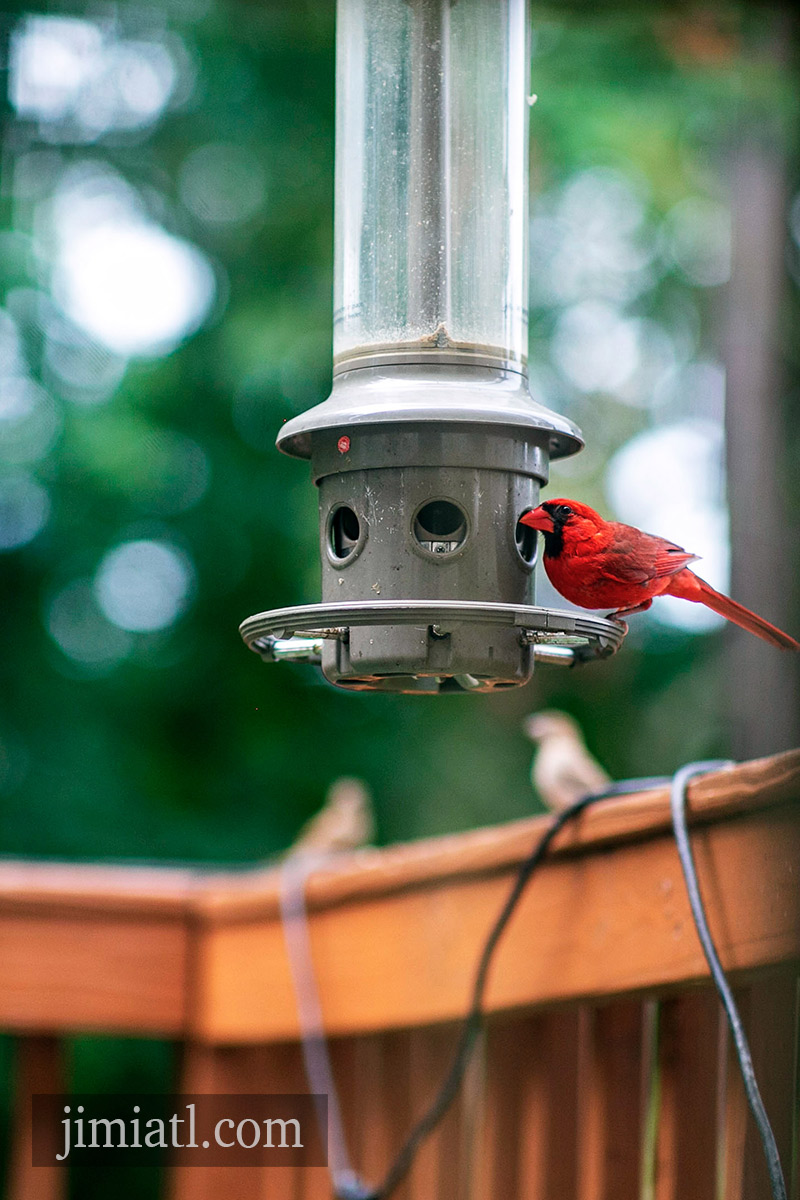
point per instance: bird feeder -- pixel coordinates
(430, 447)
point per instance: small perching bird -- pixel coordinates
(563, 770)
(345, 821)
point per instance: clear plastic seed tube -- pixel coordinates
(431, 171)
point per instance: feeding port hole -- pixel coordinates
(440, 527)
(527, 542)
(344, 533)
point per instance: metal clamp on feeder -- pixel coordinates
(430, 447)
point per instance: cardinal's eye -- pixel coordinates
(564, 511)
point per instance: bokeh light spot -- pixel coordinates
(11, 360)
(79, 80)
(29, 420)
(595, 346)
(52, 58)
(82, 370)
(80, 630)
(696, 389)
(590, 239)
(143, 585)
(697, 239)
(24, 510)
(133, 286)
(223, 184)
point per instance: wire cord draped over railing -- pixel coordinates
(319, 1072)
(346, 1181)
(678, 788)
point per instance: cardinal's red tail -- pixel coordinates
(689, 586)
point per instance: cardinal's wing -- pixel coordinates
(670, 559)
(636, 557)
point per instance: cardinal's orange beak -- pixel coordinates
(538, 518)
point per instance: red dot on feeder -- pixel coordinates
(343, 444)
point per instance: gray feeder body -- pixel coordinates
(423, 473)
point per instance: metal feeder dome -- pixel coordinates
(430, 447)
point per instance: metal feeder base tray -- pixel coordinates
(435, 642)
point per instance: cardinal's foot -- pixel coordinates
(628, 612)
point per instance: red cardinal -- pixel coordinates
(603, 564)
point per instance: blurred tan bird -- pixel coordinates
(563, 770)
(344, 822)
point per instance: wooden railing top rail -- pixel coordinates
(396, 932)
(738, 790)
(253, 891)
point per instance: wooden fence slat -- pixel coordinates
(549, 1100)
(356, 1065)
(373, 1081)
(497, 1168)
(275, 1069)
(689, 1093)
(39, 1069)
(613, 1085)
(737, 1118)
(312, 1183)
(530, 1133)
(472, 1119)
(769, 1010)
(440, 1169)
(393, 1122)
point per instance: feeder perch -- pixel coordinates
(430, 447)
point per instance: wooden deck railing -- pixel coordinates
(605, 1073)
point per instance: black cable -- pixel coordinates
(678, 804)
(473, 1021)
